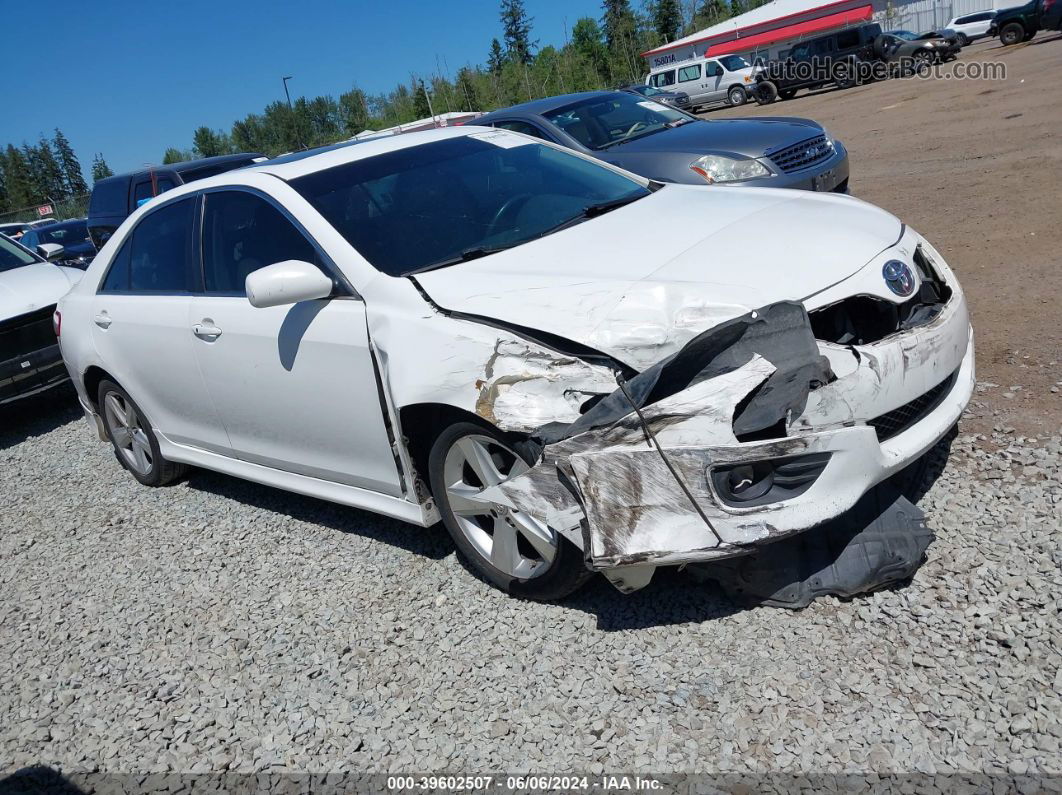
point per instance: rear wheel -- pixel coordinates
(514, 551)
(1011, 34)
(789, 93)
(736, 96)
(134, 442)
(844, 75)
(964, 40)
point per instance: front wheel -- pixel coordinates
(135, 444)
(514, 551)
(964, 40)
(736, 96)
(765, 92)
(1011, 34)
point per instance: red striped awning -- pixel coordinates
(853, 16)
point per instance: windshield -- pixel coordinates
(13, 255)
(603, 122)
(64, 234)
(733, 62)
(438, 203)
(904, 34)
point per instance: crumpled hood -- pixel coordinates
(33, 287)
(641, 281)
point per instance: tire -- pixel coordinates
(964, 40)
(736, 97)
(135, 444)
(1028, 36)
(1012, 33)
(844, 75)
(789, 93)
(765, 92)
(536, 562)
(923, 61)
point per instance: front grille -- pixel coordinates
(27, 333)
(899, 420)
(801, 155)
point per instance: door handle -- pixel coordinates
(206, 331)
(103, 320)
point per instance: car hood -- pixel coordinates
(747, 137)
(641, 281)
(33, 287)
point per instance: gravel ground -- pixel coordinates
(220, 625)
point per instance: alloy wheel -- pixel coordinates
(516, 544)
(128, 435)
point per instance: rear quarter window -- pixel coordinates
(109, 197)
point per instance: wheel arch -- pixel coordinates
(423, 423)
(94, 375)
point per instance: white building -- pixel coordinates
(772, 29)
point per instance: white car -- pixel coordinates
(971, 27)
(475, 325)
(727, 78)
(30, 287)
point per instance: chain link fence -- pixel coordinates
(72, 207)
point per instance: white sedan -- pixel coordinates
(576, 369)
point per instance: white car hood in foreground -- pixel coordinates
(33, 287)
(641, 281)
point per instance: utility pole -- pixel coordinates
(295, 126)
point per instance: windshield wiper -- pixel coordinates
(468, 254)
(592, 211)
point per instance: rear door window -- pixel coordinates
(109, 197)
(688, 73)
(847, 38)
(161, 255)
(520, 127)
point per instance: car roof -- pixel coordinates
(185, 166)
(537, 107)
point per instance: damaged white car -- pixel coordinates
(574, 368)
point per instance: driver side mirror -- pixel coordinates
(51, 251)
(287, 282)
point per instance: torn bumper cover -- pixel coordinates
(694, 459)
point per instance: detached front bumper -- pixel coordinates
(655, 487)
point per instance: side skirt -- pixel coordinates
(384, 504)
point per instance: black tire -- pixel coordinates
(964, 40)
(565, 573)
(765, 92)
(923, 61)
(789, 93)
(844, 75)
(736, 96)
(160, 472)
(1012, 33)
(1028, 36)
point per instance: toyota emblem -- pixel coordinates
(899, 277)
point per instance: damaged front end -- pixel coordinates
(704, 456)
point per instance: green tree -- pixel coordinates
(353, 112)
(620, 27)
(100, 169)
(175, 155)
(736, 8)
(18, 181)
(46, 177)
(667, 19)
(516, 30)
(73, 179)
(467, 90)
(249, 135)
(421, 107)
(710, 12)
(210, 143)
(588, 42)
(496, 58)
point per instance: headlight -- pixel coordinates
(717, 168)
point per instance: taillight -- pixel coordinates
(57, 322)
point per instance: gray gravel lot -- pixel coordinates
(221, 625)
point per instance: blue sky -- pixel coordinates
(129, 79)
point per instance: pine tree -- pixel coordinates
(667, 18)
(100, 169)
(421, 107)
(618, 23)
(467, 93)
(17, 179)
(73, 179)
(516, 25)
(496, 59)
(736, 8)
(175, 155)
(210, 143)
(353, 111)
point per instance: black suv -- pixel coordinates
(830, 58)
(1021, 23)
(114, 198)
